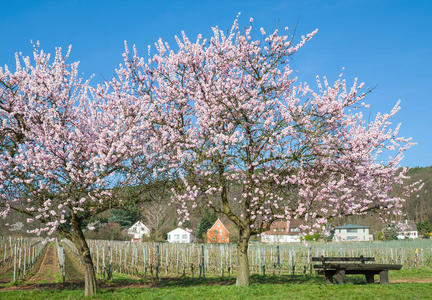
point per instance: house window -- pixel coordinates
(352, 230)
(282, 229)
(294, 229)
(216, 232)
(220, 231)
(350, 238)
(184, 236)
(214, 238)
(275, 229)
(222, 238)
(217, 224)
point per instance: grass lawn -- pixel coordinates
(256, 291)
(285, 287)
(411, 274)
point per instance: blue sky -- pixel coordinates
(387, 44)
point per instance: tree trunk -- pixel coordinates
(242, 259)
(80, 243)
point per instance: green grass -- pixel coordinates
(285, 287)
(255, 291)
(6, 275)
(411, 273)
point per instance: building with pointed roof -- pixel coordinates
(218, 233)
(138, 231)
(282, 232)
(409, 231)
(180, 235)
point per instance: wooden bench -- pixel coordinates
(338, 267)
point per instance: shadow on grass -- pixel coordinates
(180, 282)
(188, 281)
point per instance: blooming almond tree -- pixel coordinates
(245, 138)
(67, 149)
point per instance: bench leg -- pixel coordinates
(340, 276)
(370, 277)
(329, 277)
(384, 277)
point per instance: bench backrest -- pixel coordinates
(361, 259)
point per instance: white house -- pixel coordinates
(138, 230)
(409, 231)
(351, 232)
(18, 226)
(282, 232)
(179, 235)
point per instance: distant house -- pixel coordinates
(138, 230)
(18, 226)
(218, 233)
(351, 232)
(409, 232)
(282, 232)
(179, 235)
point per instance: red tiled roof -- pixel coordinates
(283, 228)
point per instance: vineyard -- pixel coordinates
(18, 256)
(21, 258)
(158, 260)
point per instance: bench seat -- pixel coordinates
(337, 270)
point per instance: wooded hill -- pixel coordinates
(160, 216)
(420, 208)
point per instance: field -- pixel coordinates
(218, 260)
(261, 288)
(177, 272)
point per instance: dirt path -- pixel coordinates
(49, 270)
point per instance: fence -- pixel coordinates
(19, 255)
(157, 260)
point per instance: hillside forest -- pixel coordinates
(160, 216)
